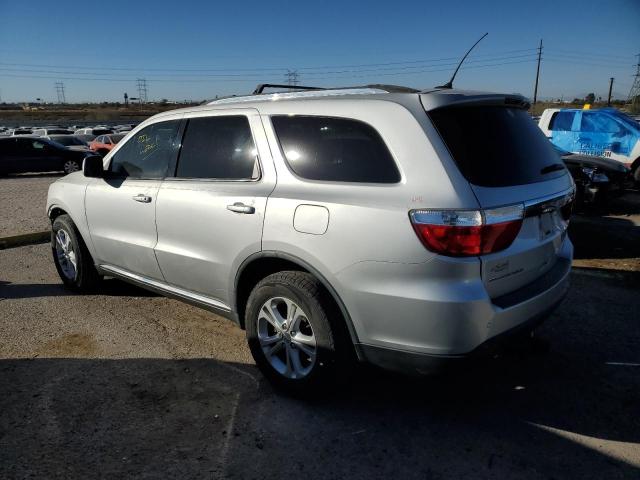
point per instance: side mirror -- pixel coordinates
(93, 167)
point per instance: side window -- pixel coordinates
(562, 121)
(218, 148)
(98, 139)
(148, 153)
(334, 149)
(597, 122)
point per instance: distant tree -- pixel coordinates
(590, 98)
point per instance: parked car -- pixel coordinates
(105, 143)
(45, 132)
(21, 131)
(93, 131)
(406, 230)
(87, 138)
(36, 154)
(70, 141)
(596, 178)
(604, 133)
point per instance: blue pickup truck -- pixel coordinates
(603, 132)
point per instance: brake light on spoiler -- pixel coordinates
(465, 233)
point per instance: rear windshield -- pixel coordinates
(496, 146)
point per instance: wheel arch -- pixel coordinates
(261, 264)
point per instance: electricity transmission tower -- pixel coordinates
(634, 93)
(60, 92)
(142, 90)
(292, 77)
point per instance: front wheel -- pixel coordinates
(71, 166)
(71, 256)
(294, 334)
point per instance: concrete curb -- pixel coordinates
(24, 239)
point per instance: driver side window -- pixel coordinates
(148, 153)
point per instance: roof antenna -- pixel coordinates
(449, 84)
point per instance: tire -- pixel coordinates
(71, 166)
(82, 276)
(315, 322)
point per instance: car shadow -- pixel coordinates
(108, 287)
(34, 175)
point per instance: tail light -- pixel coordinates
(464, 233)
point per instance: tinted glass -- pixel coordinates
(218, 147)
(335, 149)
(597, 122)
(148, 153)
(496, 146)
(116, 138)
(562, 121)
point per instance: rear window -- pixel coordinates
(334, 149)
(496, 146)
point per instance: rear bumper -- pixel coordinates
(414, 334)
(424, 364)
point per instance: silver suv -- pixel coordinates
(399, 228)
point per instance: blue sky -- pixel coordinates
(199, 49)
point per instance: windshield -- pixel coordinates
(496, 146)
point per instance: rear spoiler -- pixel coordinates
(437, 98)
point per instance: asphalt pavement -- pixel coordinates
(23, 199)
(126, 383)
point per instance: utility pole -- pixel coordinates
(535, 90)
(142, 90)
(634, 93)
(610, 88)
(60, 92)
(292, 77)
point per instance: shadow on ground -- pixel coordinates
(109, 287)
(569, 411)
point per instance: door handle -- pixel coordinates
(142, 198)
(240, 207)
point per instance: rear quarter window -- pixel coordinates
(562, 121)
(334, 149)
(496, 146)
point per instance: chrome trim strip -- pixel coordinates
(549, 198)
(552, 202)
(163, 287)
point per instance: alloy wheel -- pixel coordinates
(66, 255)
(286, 337)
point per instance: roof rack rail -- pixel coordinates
(260, 88)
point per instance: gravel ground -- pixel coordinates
(23, 199)
(127, 383)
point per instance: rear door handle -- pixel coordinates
(142, 198)
(240, 207)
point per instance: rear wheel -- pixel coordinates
(71, 256)
(294, 334)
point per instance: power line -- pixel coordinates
(262, 69)
(398, 69)
(275, 79)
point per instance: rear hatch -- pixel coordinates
(507, 160)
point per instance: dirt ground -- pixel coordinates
(126, 383)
